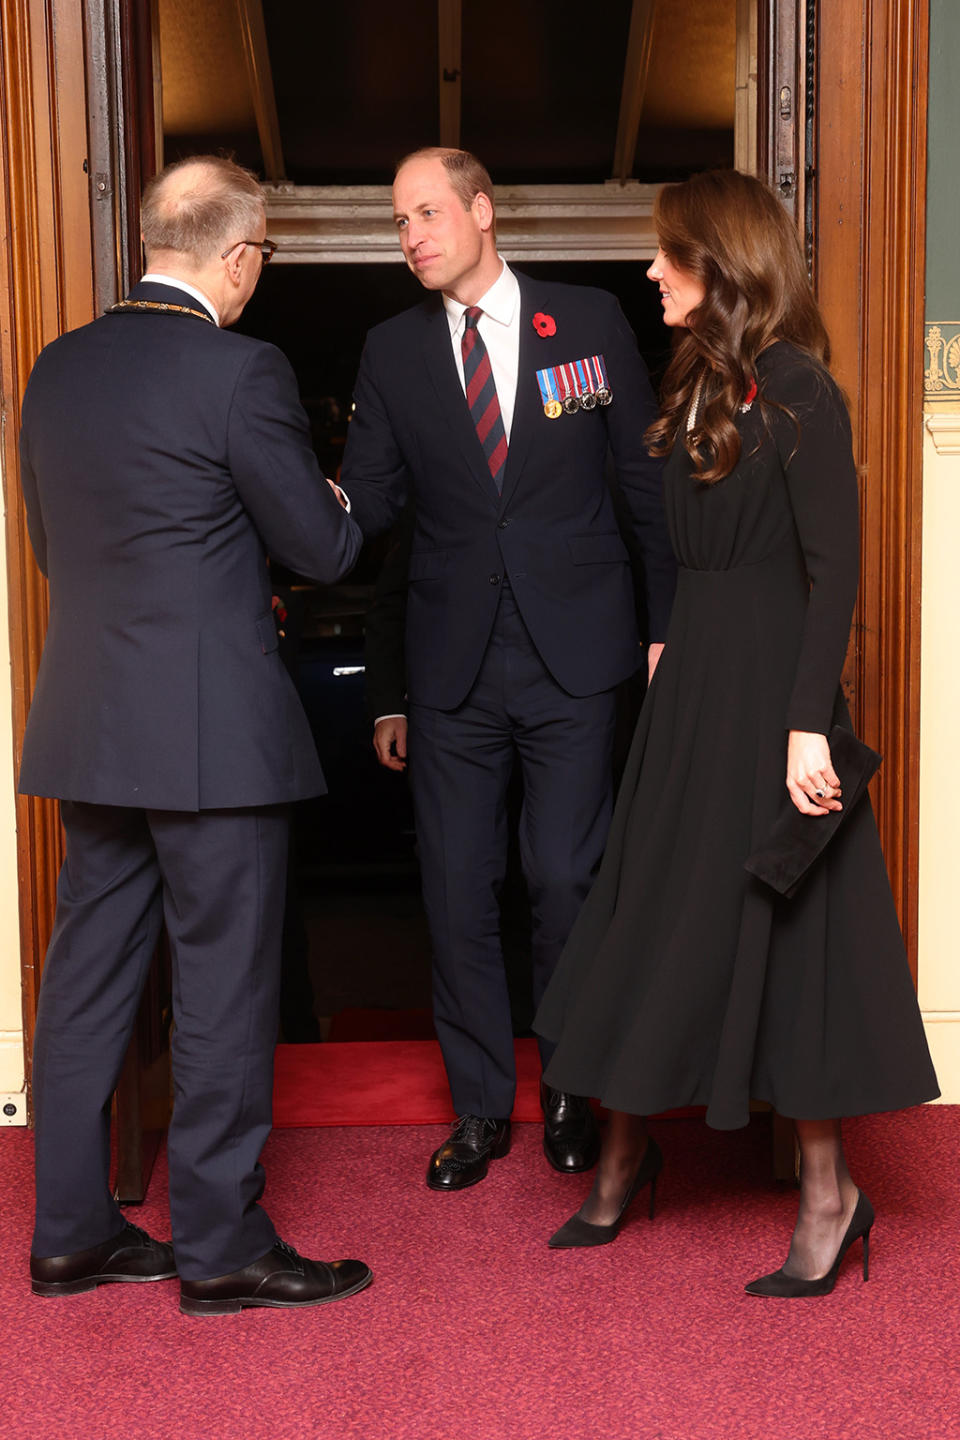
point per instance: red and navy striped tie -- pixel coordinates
(482, 396)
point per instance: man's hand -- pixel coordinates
(390, 741)
(813, 783)
(653, 656)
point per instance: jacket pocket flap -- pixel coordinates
(597, 549)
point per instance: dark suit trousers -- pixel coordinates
(217, 880)
(460, 766)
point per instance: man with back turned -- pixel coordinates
(163, 458)
(492, 406)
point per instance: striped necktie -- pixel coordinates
(482, 396)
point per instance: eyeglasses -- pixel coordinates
(267, 248)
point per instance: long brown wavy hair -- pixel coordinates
(731, 233)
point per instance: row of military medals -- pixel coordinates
(578, 385)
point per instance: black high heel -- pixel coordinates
(791, 1287)
(577, 1233)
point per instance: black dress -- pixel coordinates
(685, 980)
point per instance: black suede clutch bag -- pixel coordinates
(796, 841)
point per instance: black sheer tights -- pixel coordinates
(828, 1195)
(624, 1145)
(828, 1198)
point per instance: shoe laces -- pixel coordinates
(473, 1128)
(294, 1256)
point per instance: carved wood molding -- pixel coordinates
(45, 288)
(945, 429)
(353, 224)
(871, 157)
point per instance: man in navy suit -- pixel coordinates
(163, 458)
(493, 405)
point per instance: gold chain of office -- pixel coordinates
(158, 305)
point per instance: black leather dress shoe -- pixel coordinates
(281, 1279)
(463, 1159)
(571, 1141)
(129, 1256)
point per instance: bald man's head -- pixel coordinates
(195, 208)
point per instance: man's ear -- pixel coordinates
(233, 264)
(484, 208)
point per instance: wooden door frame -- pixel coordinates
(45, 288)
(870, 222)
(71, 170)
(868, 208)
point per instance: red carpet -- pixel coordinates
(474, 1330)
(396, 1082)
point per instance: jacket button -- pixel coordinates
(494, 579)
(502, 525)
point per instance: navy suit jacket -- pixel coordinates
(162, 458)
(552, 532)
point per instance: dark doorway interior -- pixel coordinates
(357, 954)
(355, 90)
(316, 99)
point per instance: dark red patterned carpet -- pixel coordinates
(474, 1330)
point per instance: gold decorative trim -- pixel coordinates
(941, 379)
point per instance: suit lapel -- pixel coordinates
(526, 407)
(451, 401)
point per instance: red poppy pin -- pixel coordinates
(545, 325)
(750, 396)
(279, 615)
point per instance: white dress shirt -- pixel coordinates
(156, 279)
(499, 328)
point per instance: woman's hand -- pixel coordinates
(813, 783)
